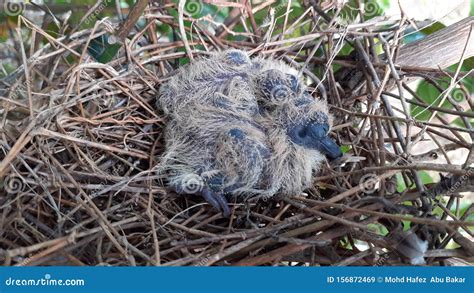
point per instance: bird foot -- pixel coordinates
(217, 200)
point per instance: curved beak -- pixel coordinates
(330, 148)
(314, 136)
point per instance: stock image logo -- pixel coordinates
(458, 95)
(368, 183)
(14, 8)
(371, 8)
(192, 183)
(349, 13)
(266, 21)
(280, 93)
(193, 7)
(13, 184)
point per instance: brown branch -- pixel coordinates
(440, 49)
(132, 18)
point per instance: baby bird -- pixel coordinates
(241, 128)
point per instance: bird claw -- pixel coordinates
(217, 200)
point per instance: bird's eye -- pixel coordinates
(302, 132)
(326, 129)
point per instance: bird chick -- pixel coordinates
(241, 128)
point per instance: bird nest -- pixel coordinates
(81, 143)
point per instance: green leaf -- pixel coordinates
(430, 96)
(425, 177)
(463, 206)
(345, 148)
(406, 225)
(438, 211)
(466, 65)
(433, 28)
(416, 35)
(102, 50)
(401, 186)
(379, 228)
(459, 123)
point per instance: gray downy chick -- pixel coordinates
(241, 128)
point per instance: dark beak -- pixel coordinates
(330, 148)
(314, 136)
